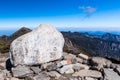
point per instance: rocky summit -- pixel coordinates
(70, 64)
(41, 45)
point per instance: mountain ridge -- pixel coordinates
(103, 45)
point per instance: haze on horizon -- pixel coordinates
(83, 14)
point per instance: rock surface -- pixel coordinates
(21, 71)
(62, 69)
(88, 73)
(100, 62)
(42, 45)
(36, 70)
(111, 75)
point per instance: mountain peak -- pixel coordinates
(18, 33)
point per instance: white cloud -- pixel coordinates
(88, 10)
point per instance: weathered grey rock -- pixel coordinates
(49, 66)
(67, 69)
(41, 45)
(88, 73)
(89, 78)
(29, 77)
(2, 75)
(59, 64)
(111, 75)
(45, 65)
(79, 60)
(2, 65)
(7, 73)
(54, 74)
(63, 62)
(21, 71)
(74, 79)
(79, 66)
(113, 66)
(69, 56)
(63, 78)
(12, 78)
(118, 70)
(36, 70)
(100, 62)
(83, 56)
(41, 76)
(52, 67)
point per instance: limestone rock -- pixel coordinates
(89, 78)
(79, 66)
(21, 71)
(41, 76)
(52, 67)
(117, 69)
(79, 60)
(45, 65)
(49, 66)
(63, 62)
(88, 73)
(54, 74)
(12, 78)
(83, 56)
(36, 70)
(2, 75)
(70, 57)
(41, 45)
(100, 62)
(110, 74)
(67, 69)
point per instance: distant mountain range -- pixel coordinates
(71, 29)
(105, 36)
(102, 44)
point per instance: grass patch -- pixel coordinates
(4, 47)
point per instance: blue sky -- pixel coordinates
(83, 14)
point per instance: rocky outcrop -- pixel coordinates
(70, 47)
(42, 45)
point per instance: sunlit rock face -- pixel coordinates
(41, 45)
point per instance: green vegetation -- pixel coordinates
(4, 47)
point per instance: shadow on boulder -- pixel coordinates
(8, 64)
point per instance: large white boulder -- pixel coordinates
(44, 44)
